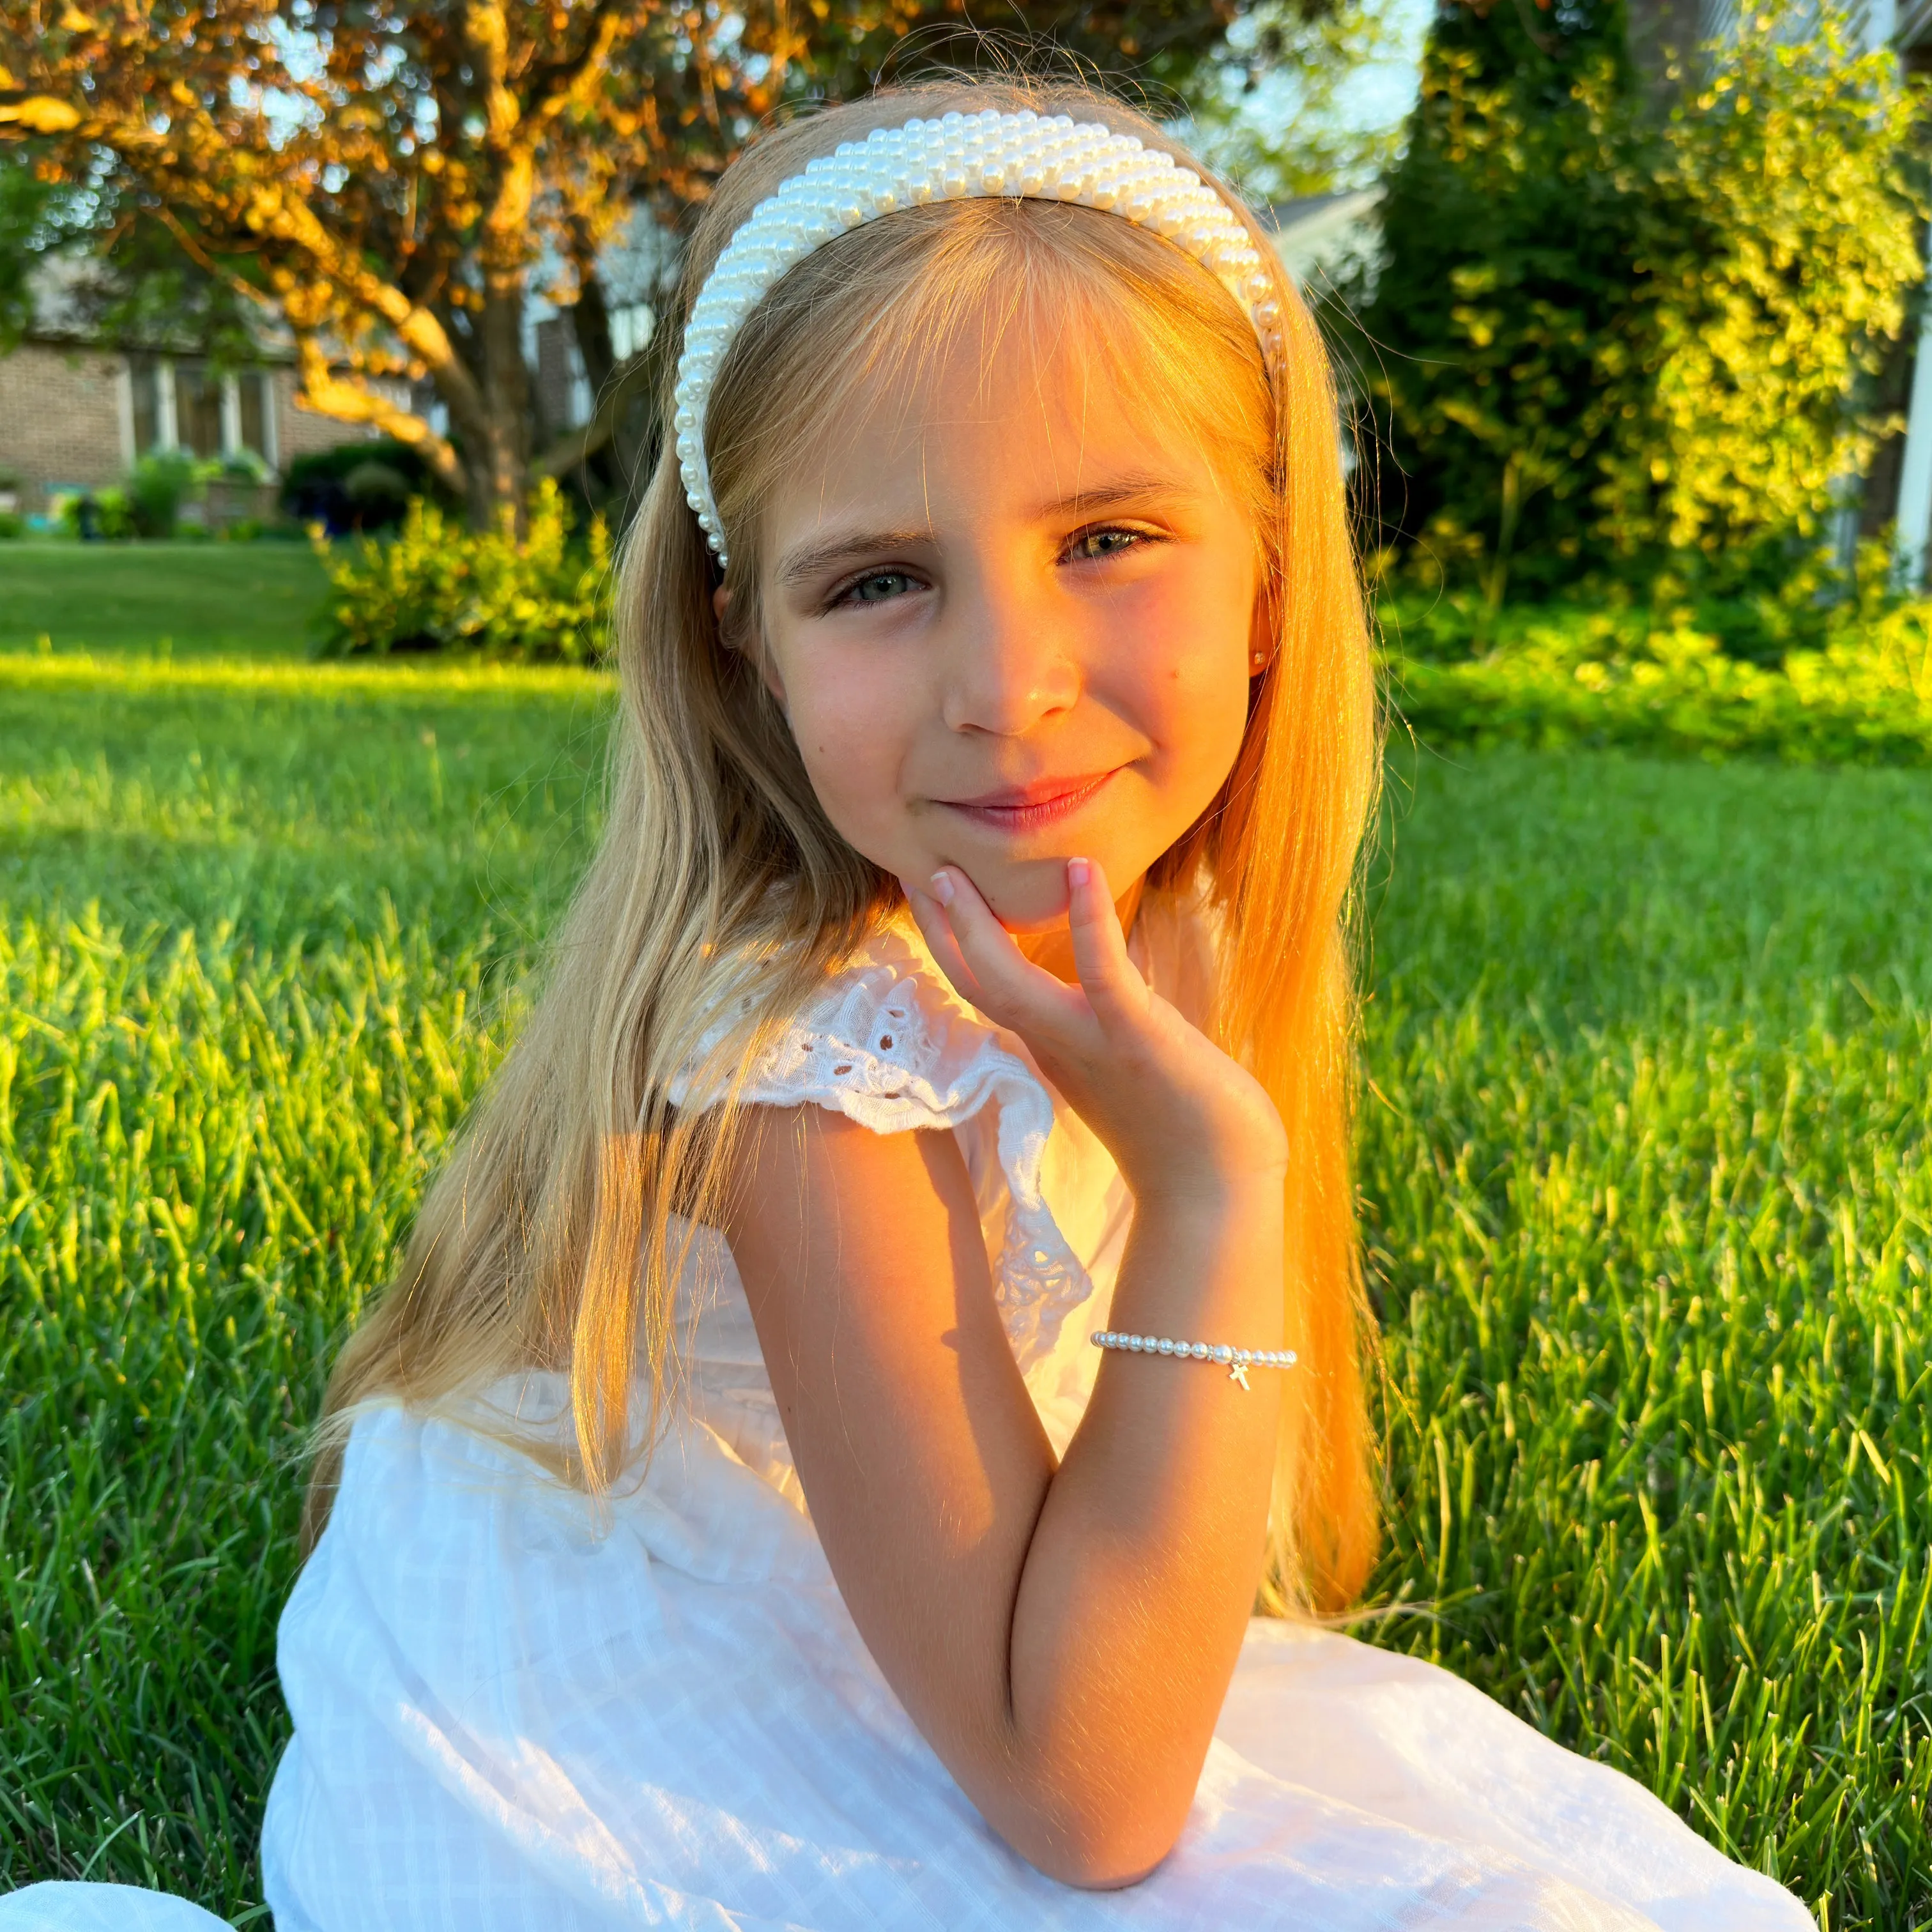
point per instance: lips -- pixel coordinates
(1023, 807)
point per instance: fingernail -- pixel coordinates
(942, 887)
(1078, 872)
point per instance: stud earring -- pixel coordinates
(1261, 658)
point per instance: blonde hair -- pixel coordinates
(544, 1241)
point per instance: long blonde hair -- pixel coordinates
(543, 1243)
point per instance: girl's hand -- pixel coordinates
(1181, 1119)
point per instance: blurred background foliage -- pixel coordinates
(1628, 323)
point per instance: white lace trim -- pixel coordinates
(890, 1045)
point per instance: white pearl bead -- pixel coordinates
(987, 153)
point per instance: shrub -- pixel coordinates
(239, 466)
(378, 493)
(155, 491)
(1862, 696)
(436, 586)
(315, 488)
(12, 526)
(1601, 333)
(93, 514)
(1811, 603)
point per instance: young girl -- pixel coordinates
(897, 1307)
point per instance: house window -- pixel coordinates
(255, 411)
(581, 403)
(179, 404)
(144, 381)
(198, 424)
(630, 329)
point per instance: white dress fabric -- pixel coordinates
(515, 1710)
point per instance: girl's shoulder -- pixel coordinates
(884, 1040)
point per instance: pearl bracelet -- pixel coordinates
(1238, 1361)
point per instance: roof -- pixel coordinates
(1318, 235)
(68, 291)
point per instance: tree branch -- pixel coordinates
(630, 378)
(329, 394)
(575, 81)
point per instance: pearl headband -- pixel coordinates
(956, 157)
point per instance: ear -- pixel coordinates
(720, 605)
(1264, 632)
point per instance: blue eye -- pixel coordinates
(1091, 545)
(878, 586)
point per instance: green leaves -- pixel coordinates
(1864, 696)
(536, 598)
(1597, 336)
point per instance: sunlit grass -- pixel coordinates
(1645, 1159)
(1650, 1195)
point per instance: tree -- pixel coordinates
(1281, 112)
(1599, 334)
(393, 180)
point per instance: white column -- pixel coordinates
(124, 406)
(1914, 525)
(167, 430)
(231, 416)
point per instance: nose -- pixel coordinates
(1012, 661)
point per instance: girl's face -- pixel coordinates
(1012, 621)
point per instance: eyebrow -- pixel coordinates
(1127, 489)
(810, 560)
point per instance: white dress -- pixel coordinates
(516, 1712)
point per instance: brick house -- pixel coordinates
(77, 415)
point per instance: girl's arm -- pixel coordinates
(1062, 1636)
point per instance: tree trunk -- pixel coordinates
(489, 396)
(500, 473)
(592, 320)
(622, 438)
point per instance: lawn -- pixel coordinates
(203, 599)
(1645, 1154)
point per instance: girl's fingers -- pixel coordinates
(1112, 983)
(1012, 992)
(930, 917)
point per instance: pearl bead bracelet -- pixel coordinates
(1237, 1361)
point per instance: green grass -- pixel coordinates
(1649, 1184)
(203, 599)
(1645, 1157)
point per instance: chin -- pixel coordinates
(1029, 897)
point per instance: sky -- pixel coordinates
(1379, 93)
